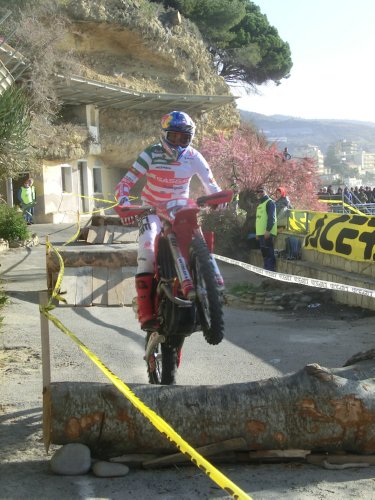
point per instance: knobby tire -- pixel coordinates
(208, 298)
(166, 365)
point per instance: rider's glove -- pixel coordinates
(124, 200)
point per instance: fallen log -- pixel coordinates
(316, 409)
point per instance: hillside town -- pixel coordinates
(340, 162)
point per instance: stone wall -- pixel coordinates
(326, 267)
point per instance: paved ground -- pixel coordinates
(258, 345)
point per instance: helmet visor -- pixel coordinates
(179, 138)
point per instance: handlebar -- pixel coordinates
(218, 198)
(214, 199)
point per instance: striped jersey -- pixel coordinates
(166, 178)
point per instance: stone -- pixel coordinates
(72, 459)
(4, 245)
(306, 299)
(109, 469)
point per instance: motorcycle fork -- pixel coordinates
(209, 238)
(183, 274)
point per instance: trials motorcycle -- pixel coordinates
(188, 287)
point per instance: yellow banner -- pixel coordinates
(298, 221)
(349, 236)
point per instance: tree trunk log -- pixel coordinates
(317, 409)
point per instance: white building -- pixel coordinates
(311, 151)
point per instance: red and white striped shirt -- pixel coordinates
(166, 178)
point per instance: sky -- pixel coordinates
(333, 52)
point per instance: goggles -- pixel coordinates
(179, 138)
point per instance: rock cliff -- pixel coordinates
(134, 44)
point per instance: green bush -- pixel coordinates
(227, 226)
(12, 224)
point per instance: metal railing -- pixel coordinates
(339, 204)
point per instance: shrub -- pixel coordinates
(12, 224)
(227, 226)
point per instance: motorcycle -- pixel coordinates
(188, 287)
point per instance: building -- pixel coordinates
(66, 187)
(349, 153)
(310, 151)
(368, 163)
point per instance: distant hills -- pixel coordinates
(298, 132)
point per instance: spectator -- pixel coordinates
(286, 154)
(322, 194)
(368, 194)
(266, 228)
(26, 197)
(347, 196)
(282, 206)
(362, 196)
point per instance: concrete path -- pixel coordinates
(257, 345)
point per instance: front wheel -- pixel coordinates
(208, 298)
(163, 361)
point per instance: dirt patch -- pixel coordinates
(19, 360)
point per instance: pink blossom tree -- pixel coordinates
(247, 157)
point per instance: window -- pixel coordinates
(97, 179)
(66, 178)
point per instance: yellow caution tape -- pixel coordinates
(113, 203)
(55, 292)
(161, 425)
(300, 280)
(99, 199)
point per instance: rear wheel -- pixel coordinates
(208, 298)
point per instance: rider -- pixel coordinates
(169, 167)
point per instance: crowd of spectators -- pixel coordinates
(354, 195)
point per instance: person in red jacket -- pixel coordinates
(282, 206)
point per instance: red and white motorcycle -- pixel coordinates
(188, 286)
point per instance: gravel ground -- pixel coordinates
(259, 345)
